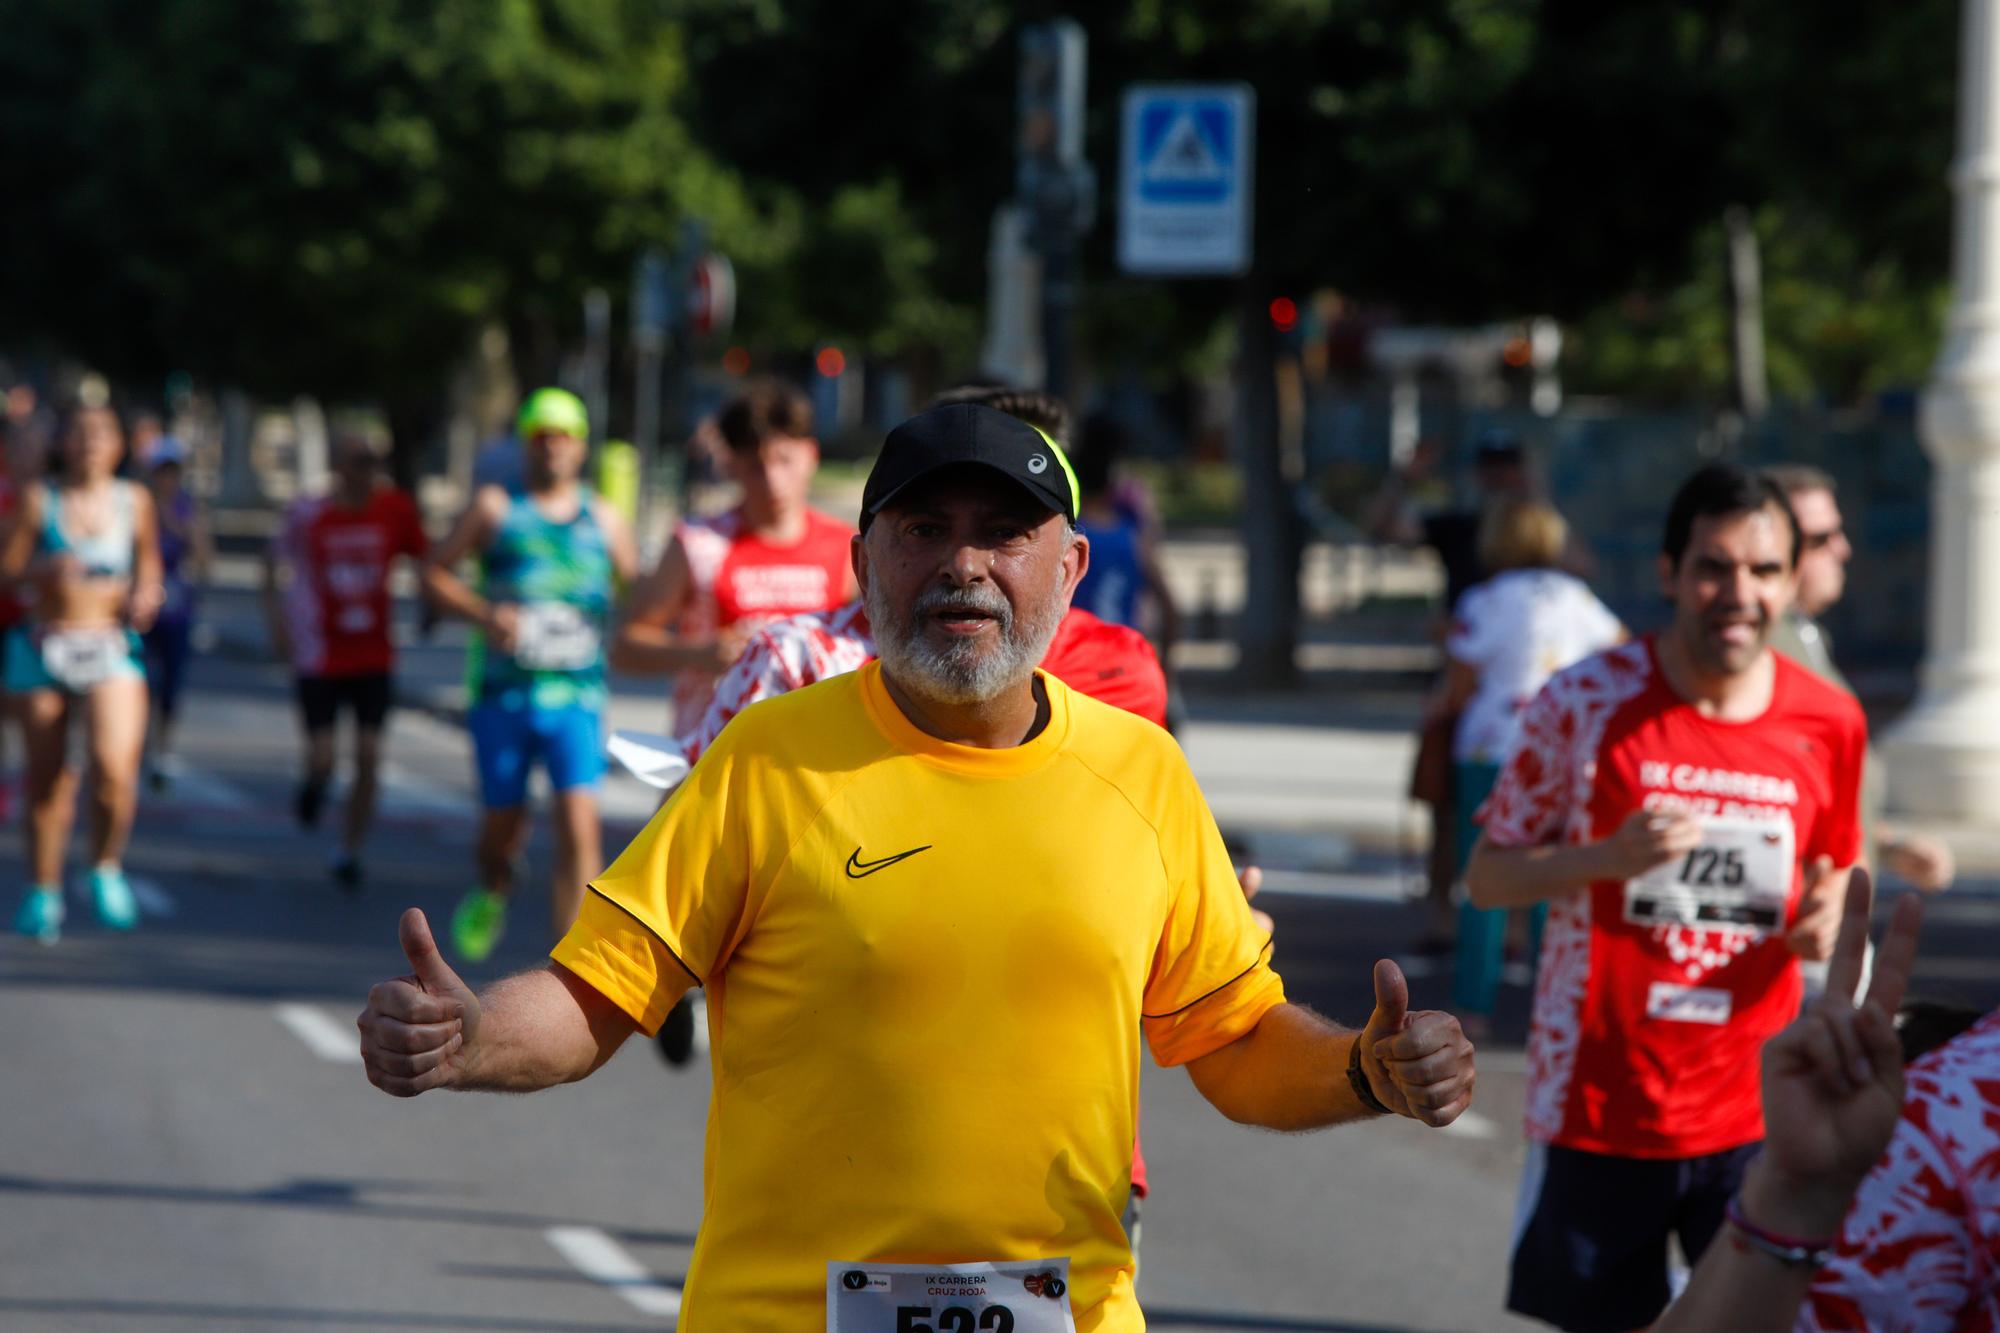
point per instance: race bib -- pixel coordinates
(81, 658)
(555, 636)
(354, 618)
(1737, 881)
(1017, 1297)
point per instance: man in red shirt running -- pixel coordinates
(332, 625)
(720, 578)
(1686, 804)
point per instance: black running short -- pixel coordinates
(1590, 1253)
(321, 699)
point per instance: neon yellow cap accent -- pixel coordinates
(1062, 461)
(553, 410)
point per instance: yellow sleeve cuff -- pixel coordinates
(1218, 1018)
(623, 961)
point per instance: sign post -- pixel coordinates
(1185, 179)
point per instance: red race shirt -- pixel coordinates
(1656, 995)
(737, 576)
(1113, 664)
(338, 602)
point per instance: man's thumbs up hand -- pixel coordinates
(1418, 1064)
(415, 1029)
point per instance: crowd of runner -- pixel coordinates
(921, 793)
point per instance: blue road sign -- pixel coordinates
(1185, 179)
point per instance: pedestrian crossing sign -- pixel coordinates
(1186, 179)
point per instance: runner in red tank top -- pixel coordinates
(771, 556)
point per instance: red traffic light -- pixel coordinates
(1284, 314)
(831, 362)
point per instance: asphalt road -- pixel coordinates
(187, 1141)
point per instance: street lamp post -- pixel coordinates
(1944, 758)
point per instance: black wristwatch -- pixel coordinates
(1357, 1078)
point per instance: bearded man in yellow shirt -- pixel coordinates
(947, 850)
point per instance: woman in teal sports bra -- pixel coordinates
(85, 550)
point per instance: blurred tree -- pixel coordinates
(1839, 327)
(1457, 160)
(313, 196)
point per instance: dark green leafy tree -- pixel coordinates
(314, 196)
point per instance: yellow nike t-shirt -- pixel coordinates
(928, 967)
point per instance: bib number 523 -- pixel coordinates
(953, 1319)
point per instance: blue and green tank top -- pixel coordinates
(543, 566)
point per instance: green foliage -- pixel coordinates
(311, 195)
(1838, 328)
(327, 196)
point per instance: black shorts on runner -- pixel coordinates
(322, 697)
(1590, 1244)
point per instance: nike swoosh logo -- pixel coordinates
(860, 869)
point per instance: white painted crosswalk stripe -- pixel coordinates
(153, 898)
(602, 1259)
(191, 786)
(1473, 1125)
(401, 794)
(330, 1041)
(1349, 886)
(405, 793)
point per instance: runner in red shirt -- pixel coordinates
(720, 578)
(1687, 806)
(332, 625)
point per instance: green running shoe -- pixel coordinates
(40, 917)
(477, 925)
(117, 909)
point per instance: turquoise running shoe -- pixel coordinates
(117, 909)
(40, 917)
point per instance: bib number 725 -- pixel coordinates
(1712, 867)
(954, 1319)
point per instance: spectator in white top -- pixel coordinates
(1509, 634)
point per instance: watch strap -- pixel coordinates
(1357, 1078)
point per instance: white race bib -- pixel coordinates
(82, 658)
(354, 618)
(1017, 1297)
(1738, 880)
(555, 636)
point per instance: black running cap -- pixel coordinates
(968, 433)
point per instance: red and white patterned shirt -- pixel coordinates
(1921, 1249)
(1111, 663)
(779, 658)
(1655, 996)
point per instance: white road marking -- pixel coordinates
(152, 899)
(323, 1037)
(1378, 887)
(602, 1259)
(405, 793)
(1473, 1125)
(191, 786)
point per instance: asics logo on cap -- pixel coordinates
(1038, 464)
